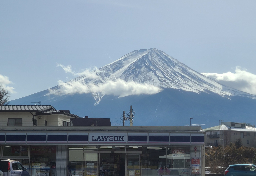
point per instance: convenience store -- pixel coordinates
(106, 150)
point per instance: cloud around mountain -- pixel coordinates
(240, 80)
(117, 87)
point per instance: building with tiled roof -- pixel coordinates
(231, 132)
(34, 115)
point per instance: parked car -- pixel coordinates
(12, 168)
(240, 170)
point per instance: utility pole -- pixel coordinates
(124, 118)
(190, 121)
(131, 116)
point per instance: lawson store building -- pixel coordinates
(45, 142)
(106, 151)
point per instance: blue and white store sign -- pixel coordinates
(107, 137)
(101, 138)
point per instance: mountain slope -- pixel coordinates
(169, 107)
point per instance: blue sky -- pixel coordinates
(216, 37)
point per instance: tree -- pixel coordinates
(4, 96)
(238, 143)
(219, 158)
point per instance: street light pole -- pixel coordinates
(190, 121)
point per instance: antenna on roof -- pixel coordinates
(39, 102)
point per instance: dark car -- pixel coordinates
(240, 170)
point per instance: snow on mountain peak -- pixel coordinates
(155, 67)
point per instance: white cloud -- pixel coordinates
(67, 69)
(121, 88)
(240, 80)
(118, 88)
(88, 73)
(71, 88)
(4, 81)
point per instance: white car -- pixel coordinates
(12, 168)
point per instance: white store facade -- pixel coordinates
(129, 151)
(100, 150)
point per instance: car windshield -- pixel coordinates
(250, 168)
(17, 166)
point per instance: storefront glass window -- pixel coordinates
(15, 151)
(140, 160)
(156, 160)
(151, 162)
(91, 163)
(112, 164)
(178, 160)
(83, 160)
(43, 160)
(133, 164)
(76, 160)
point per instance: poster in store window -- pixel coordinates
(90, 165)
(131, 172)
(195, 161)
(195, 165)
(195, 169)
(137, 172)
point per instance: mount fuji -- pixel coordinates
(161, 90)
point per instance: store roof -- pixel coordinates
(139, 129)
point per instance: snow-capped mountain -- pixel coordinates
(155, 67)
(162, 90)
(150, 67)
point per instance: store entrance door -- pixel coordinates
(112, 164)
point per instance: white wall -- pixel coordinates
(52, 120)
(26, 118)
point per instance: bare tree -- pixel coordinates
(4, 96)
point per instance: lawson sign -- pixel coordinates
(108, 137)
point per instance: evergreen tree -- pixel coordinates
(4, 96)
